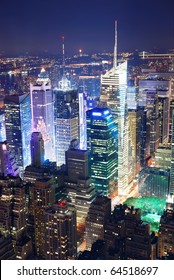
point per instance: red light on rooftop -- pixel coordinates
(61, 203)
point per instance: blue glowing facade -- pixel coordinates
(102, 144)
(2, 127)
(18, 128)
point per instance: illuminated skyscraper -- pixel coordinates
(42, 109)
(60, 232)
(7, 161)
(102, 144)
(13, 214)
(2, 127)
(66, 120)
(43, 197)
(66, 114)
(18, 128)
(135, 119)
(82, 122)
(171, 190)
(114, 96)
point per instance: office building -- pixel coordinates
(134, 120)
(37, 149)
(163, 103)
(102, 144)
(153, 120)
(162, 157)
(7, 161)
(42, 109)
(171, 190)
(114, 96)
(60, 232)
(153, 83)
(2, 127)
(13, 215)
(66, 118)
(166, 234)
(43, 197)
(66, 114)
(7, 251)
(18, 128)
(145, 137)
(79, 188)
(99, 213)
(82, 122)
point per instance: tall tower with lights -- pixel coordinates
(114, 96)
(42, 109)
(102, 145)
(18, 128)
(66, 113)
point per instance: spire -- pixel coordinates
(115, 47)
(63, 54)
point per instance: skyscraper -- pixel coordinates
(43, 197)
(13, 214)
(2, 127)
(42, 109)
(114, 96)
(7, 161)
(60, 232)
(37, 149)
(79, 188)
(171, 189)
(99, 213)
(18, 128)
(102, 144)
(82, 121)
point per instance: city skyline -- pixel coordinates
(37, 27)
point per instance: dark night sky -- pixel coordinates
(37, 25)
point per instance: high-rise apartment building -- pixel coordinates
(114, 96)
(60, 232)
(42, 109)
(102, 144)
(18, 128)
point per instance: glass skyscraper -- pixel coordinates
(66, 110)
(114, 96)
(102, 135)
(42, 109)
(18, 128)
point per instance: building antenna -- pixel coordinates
(63, 54)
(115, 47)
